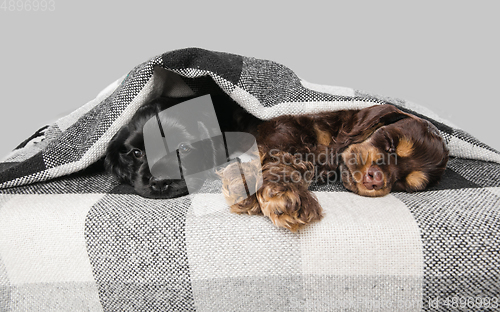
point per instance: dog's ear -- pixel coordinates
(363, 123)
(369, 119)
(116, 161)
(377, 116)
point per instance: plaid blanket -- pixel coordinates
(73, 239)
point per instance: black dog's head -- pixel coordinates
(126, 156)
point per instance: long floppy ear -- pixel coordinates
(367, 121)
(377, 116)
(116, 162)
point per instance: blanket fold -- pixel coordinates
(265, 88)
(73, 239)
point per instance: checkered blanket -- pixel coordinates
(73, 239)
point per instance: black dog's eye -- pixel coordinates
(184, 148)
(137, 153)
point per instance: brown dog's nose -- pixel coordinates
(158, 184)
(373, 178)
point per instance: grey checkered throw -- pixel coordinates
(73, 239)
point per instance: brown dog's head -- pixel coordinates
(390, 150)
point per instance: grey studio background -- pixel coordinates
(440, 54)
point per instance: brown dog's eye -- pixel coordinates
(184, 148)
(137, 153)
(390, 148)
(389, 144)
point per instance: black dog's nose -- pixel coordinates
(158, 184)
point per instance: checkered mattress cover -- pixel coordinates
(73, 239)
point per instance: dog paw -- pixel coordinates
(240, 181)
(249, 205)
(290, 206)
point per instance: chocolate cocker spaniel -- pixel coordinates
(372, 151)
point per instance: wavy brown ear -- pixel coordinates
(367, 120)
(377, 116)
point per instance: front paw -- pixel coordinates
(240, 181)
(289, 205)
(249, 205)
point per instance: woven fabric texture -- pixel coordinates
(73, 239)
